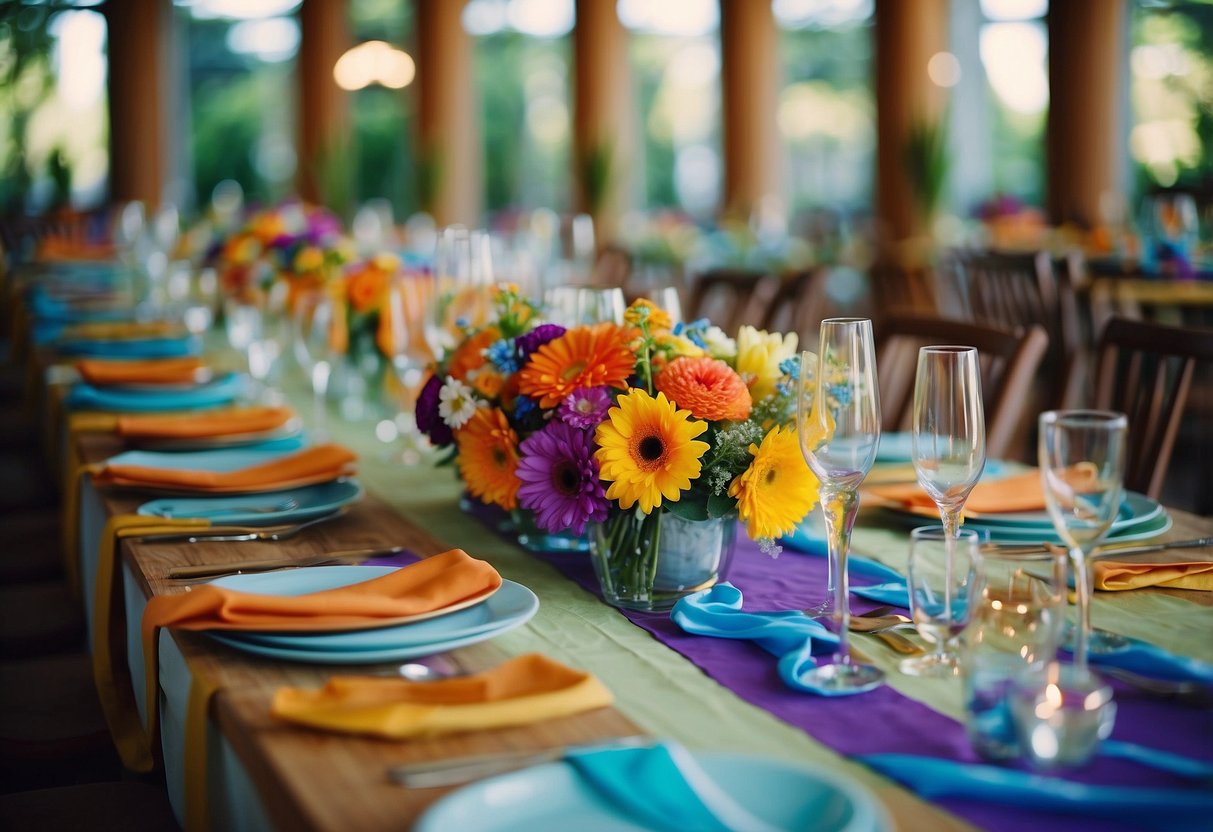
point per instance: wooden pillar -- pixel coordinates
(601, 115)
(449, 157)
(749, 86)
(1085, 136)
(908, 33)
(324, 124)
(139, 51)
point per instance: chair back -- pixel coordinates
(731, 297)
(1145, 370)
(1008, 359)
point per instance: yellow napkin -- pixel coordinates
(1119, 575)
(228, 422)
(110, 671)
(319, 463)
(103, 372)
(530, 688)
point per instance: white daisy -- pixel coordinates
(456, 403)
(718, 344)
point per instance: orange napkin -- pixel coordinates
(229, 422)
(527, 689)
(1020, 492)
(1155, 570)
(320, 463)
(122, 330)
(425, 586)
(102, 373)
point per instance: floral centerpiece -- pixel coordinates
(652, 437)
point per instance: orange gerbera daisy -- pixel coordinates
(470, 354)
(366, 288)
(707, 387)
(587, 356)
(488, 458)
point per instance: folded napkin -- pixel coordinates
(319, 463)
(664, 787)
(217, 423)
(789, 634)
(426, 586)
(527, 689)
(1157, 571)
(935, 778)
(101, 372)
(123, 330)
(221, 391)
(1019, 492)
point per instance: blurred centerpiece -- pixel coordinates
(650, 438)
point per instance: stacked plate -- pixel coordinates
(512, 605)
(267, 508)
(1140, 518)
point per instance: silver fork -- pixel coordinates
(268, 535)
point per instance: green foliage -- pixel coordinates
(596, 171)
(25, 82)
(927, 163)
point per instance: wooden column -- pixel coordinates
(908, 33)
(449, 156)
(749, 86)
(139, 49)
(601, 115)
(324, 123)
(1085, 137)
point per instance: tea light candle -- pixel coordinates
(1061, 714)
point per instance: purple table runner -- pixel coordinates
(884, 720)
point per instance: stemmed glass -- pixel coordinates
(943, 576)
(462, 280)
(948, 436)
(1082, 461)
(839, 428)
(318, 347)
(403, 312)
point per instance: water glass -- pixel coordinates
(1062, 712)
(1014, 628)
(943, 576)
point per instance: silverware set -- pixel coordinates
(231, 534)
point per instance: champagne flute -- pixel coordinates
(318, 347)
(839, 432)
(462, 283)
(948, 436)
(943, 576)
(1082, 461)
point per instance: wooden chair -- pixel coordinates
(1145, 370)
(798, 305)
(1008, 360)
(731, 297)
(1012, 290)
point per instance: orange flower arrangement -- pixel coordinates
(366, 287)
(469, 355)
(593, 356)
(707, 387)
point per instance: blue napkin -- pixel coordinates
(809, 540)
(222, 390)
(789, 634)
(936, 778)
(174, 347)
(894, 592)
(664, 787)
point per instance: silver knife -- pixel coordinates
(216, 569)
(201, 535)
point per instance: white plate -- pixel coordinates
(310, 501)
(553, 797)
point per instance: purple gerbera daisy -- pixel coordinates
(536, 338)
(560, 479)
(428, 419)
(585, 407)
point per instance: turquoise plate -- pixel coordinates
(1134, 508)
(310, 501)
(553, 797)
(895, 447)
(219, 460)
(1137, 530)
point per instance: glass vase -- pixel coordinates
(648, 562)
(535, 539)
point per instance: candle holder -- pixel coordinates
(1061, 713)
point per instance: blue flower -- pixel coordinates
(522, 406)
(790, 367)
(503, 355)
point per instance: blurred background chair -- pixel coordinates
(1146, 370)
(1009, 360)
(731, 297)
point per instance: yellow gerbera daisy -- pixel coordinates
(647, 450)
(758, 356)
(778, 489)
(488, 458)
(587, 356)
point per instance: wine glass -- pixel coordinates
(319, 333)
(400, 322)
(461, 287)
(943, 576)
(1082, 461)
(839, 429)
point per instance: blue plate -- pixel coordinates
(509, 606)
(175, 347)
(1134, 508)
(895, 446)
(220, 460)
(553, 797)
(310, 501)
(1120, 533)
(222, 390)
